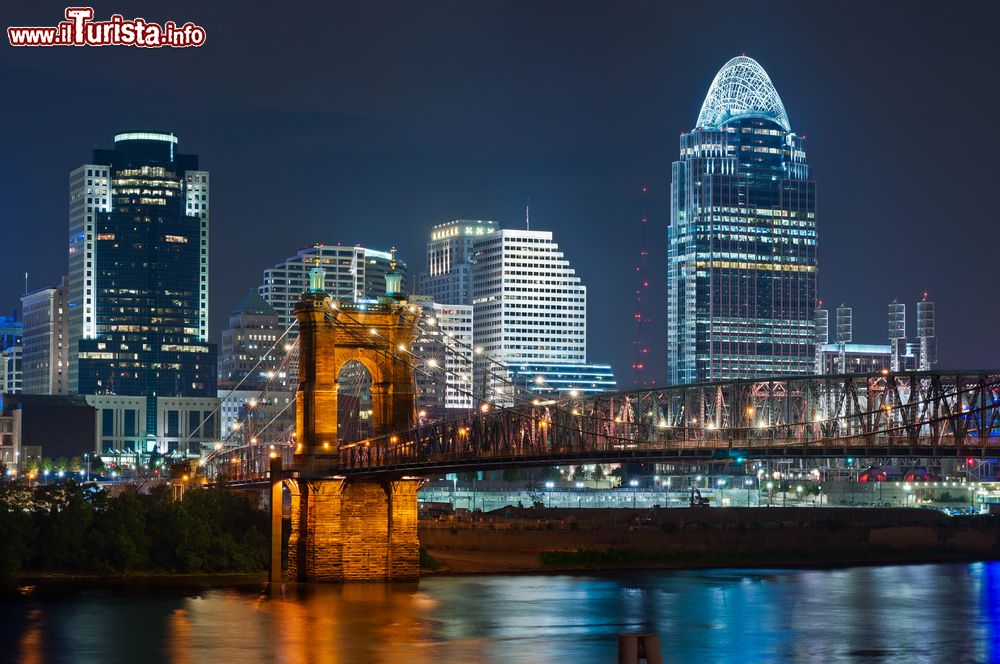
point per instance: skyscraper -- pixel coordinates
(45, 364)
(742, 239)
(529, 306)
(138, 273)
(352, 273)
(450, 250)
(248, 342)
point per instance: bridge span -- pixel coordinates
(354, 503)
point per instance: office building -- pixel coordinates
(450, 255)
(249, 352)
(742, 259)
(11, 370)
(352, 274)
(45, 362)
(564, 380)
(138, 274)
(444, 379)
(528, 307)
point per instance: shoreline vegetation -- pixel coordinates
(70, 530)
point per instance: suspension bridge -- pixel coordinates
(354, 489)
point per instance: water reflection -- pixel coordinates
(921, 613)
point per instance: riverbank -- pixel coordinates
(576, 540)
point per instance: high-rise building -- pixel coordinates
(11, 333)
(450, 254)
(444, 382)
(897, 333)
(249, 343)
(11, 370)
(352, 273)
(742, 239)
(529, 305)
(138, 274)
(45, 362)
(926, 333)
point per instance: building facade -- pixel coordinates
(450, 255)
(45, 363)
(138, 274)
(249, 352)
(352, 273)
(444, 382)
(742, 260)
(564, 380)
(528, 307)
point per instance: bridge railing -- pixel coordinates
(245, 463)
(887, 411)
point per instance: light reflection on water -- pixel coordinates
(914, 613)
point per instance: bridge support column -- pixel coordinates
(347, 529)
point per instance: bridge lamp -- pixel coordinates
(402, 347)
(770, 485)
(761, 424)
(394, 439)
(422, 413)
(543, 424)
(373, 332)
(431, 321)
(326, 446)
(798, 489)
(662, 424)
(539, 380)
(253, 441)
(485, 408)
(432, 362)
(252, 403)
(270, 375)
(549, 485)
(479, 350)
(711, 426)
(288, 348)
(574, 393)
(750, 411)
(234, 460)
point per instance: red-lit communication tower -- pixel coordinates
(640, 366)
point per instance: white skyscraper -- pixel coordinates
(45, 362)
(529, 305)
(444, 382)
(352, 273)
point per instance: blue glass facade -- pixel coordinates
(144, 326)
(742, 261)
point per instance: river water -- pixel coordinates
(907, 613)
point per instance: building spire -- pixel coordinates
(527, 214)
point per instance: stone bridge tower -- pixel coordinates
(351, 529)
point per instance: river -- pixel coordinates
(907, 613)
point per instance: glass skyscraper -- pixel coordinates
(742, 240)
(138, 273)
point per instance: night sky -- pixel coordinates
(366, 123)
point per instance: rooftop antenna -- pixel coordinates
(527, 214)
(25, 283)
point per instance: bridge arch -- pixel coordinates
(334, 334)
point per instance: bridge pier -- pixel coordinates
(347, 529)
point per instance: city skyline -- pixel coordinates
(583, 177)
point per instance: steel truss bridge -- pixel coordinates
(913, 414)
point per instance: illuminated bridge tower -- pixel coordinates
(742, 239)
(352, 529)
